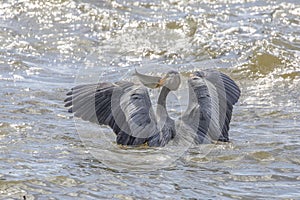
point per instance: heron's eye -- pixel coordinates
(135, 96)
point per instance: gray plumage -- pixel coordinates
(127, 109)
(212, 95)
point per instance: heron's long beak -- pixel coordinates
(161, 82)
(150, 81)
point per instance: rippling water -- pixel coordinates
(48, 47)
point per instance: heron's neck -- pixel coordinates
(163, 96)
(161, 103)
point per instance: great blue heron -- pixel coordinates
(126, 107)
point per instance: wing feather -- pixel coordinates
(212, 95)
(123, 106)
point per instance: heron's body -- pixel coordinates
(126, 107)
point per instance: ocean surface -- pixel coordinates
(47, 47)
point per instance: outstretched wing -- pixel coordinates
(212, 95)
(123, 106)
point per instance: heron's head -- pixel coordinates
(171, 80)
(198, 74)
(196, 79)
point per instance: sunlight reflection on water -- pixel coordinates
(48, 47)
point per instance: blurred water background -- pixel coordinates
(46, 47)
